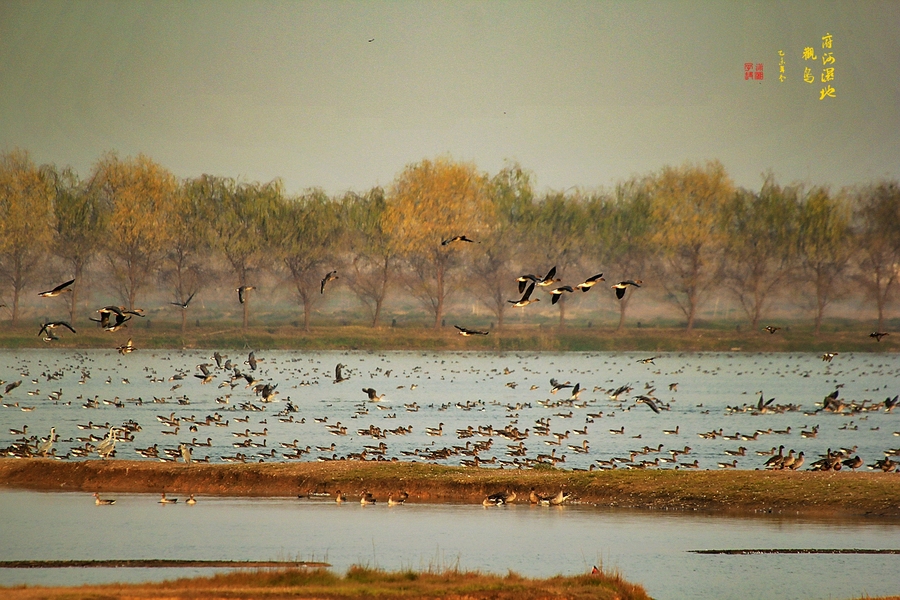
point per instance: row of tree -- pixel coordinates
(689, 229)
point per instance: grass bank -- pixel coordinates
(358, 582)
(732, 491)
(708, 338)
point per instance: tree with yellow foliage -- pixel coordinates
(687, 209)
(429, 204)
(26, 221)
(138, 196)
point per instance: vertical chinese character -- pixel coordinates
(758, 74)
(748, 71)
(826, 92)
(826, 40)
(809, 54)
(827, 74)
(781, 75)
(808, 76)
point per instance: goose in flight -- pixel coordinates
(330, 276)
(467, 332)
(590, 282)
(60, 289)
(126, 348)
(242, 291)
(457, 238)
(558, 292)
(526, 299)
(47, 328)
(372, 394)
(338, 375)
(623, 285)
(184, 304)
(549, 279)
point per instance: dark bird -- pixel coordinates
(61, 288)
(828, 356)
(121, 314)
(590, 282)
(556, 293)
(457, 238)
(555, 385)
(771, 328)
(252, 360)
(623, 285)
(763, 404)
(330, 276)
(525, 300)
(338, 375)
(649, 402)
(184, 304)
(372, 394)
(242, 291)
(126, 348)
(524, 279)
(648, 361)
(548, 279)
(878, 335)
(11, 386)
(467, 332)
(890, 403)
(49, 327)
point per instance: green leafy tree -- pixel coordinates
(187, 255)
(493, 266)
(825, 246)
(374, 255)
(761, 247)
(307, 232)
(26, 221)
(558, 228)
(687, 209)
(241, 226)
(628, 233)
(80, 229)
(877, 224)
(431, 202)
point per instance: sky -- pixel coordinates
(344, 95)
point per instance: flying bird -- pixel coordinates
(878, 335)
(467, 332)
(49, 327)
(338, 375)
(457, 238)
(649, 402)
(557, 293)
(126, 348)
(623, 285)
(330, 276)
(372, 394)
(828, 356)
(590, 282)
(184, 304)
(525, 300)
(771, 328)
(61, 288)
(648, 361)
(242, 291)
(549, 279)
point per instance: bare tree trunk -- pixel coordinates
(246, 306)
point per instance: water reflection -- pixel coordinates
(647, 548)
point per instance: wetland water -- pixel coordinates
(647, 548)
(69, 390)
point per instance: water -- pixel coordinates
(459, 390)
(646, 548)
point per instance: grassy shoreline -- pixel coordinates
(802, 493)
(161, 335)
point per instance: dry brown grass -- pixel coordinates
(804, 493)
(358, 582)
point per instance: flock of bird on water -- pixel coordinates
(114, 318)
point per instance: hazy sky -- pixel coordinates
(344, 95)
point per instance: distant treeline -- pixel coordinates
(131, 227)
